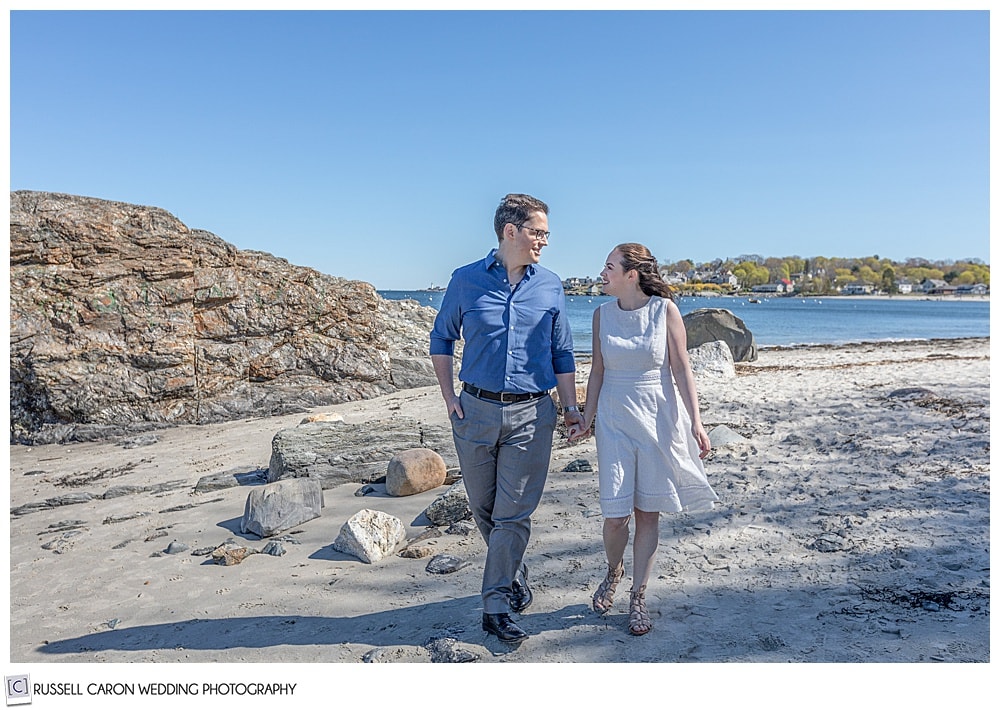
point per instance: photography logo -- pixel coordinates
(18, 690)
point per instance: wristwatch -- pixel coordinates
(571, 409)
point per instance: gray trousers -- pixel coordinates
(504, 452)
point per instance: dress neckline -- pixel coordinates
(633, 310)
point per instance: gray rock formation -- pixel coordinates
(339, 452)
(123, 319)
(705, 325)
(280, 506)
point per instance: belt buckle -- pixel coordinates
(504, 397)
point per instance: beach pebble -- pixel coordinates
(231, 553)
(370, 535)
(830, 542)
(141, 440)
(416, 553)
(579, 466)
(447, 650)
(414, 471)
(323, 417)
(273, 548)
(176, 548)
(446, 564)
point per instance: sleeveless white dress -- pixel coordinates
(646, 454)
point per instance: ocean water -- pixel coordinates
(786, 321)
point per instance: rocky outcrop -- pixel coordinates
(123, 319)
(705, 325)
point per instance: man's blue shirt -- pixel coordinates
(515, 341)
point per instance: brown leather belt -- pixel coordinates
(505, 397)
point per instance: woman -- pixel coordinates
(649, 449)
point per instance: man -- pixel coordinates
(518, 346)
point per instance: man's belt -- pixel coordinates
(505, 397)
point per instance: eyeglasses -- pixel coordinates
(536, 233)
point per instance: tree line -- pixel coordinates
(824, 275)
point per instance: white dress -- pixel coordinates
(647, 456)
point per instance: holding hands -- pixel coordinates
(579, 430)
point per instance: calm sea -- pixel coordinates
(803, 321)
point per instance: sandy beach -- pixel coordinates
(853, 528)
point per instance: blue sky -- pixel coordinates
(376, 145)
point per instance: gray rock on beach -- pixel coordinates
(450, 507)
(705, 325)
(282, 505)
(341, 452)
(370, 535)
(414, 471)
(446, 564)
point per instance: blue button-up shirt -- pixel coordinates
(515, 340)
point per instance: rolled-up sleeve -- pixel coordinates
(562, 341)
(448, 322)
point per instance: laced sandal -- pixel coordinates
(604, 597)
(639, 622)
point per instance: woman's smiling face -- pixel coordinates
(613, 278)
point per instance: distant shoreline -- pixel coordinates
(903, 296)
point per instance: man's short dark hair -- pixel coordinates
(516, 209)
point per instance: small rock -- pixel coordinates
(273, 548)
(176, 548)
(447, 650)
(446, 564)
(231, 553)
(462, 527)
(450, 507)
(323, 417)
(830, 542)
(579, 466)
(416, 552)
(142, 440)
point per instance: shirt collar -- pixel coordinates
(491, 261)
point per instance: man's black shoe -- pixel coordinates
(520, 594)
(501, 626)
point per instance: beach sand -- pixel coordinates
(853, 528)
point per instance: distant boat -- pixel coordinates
(753, 300)
(432, 287)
